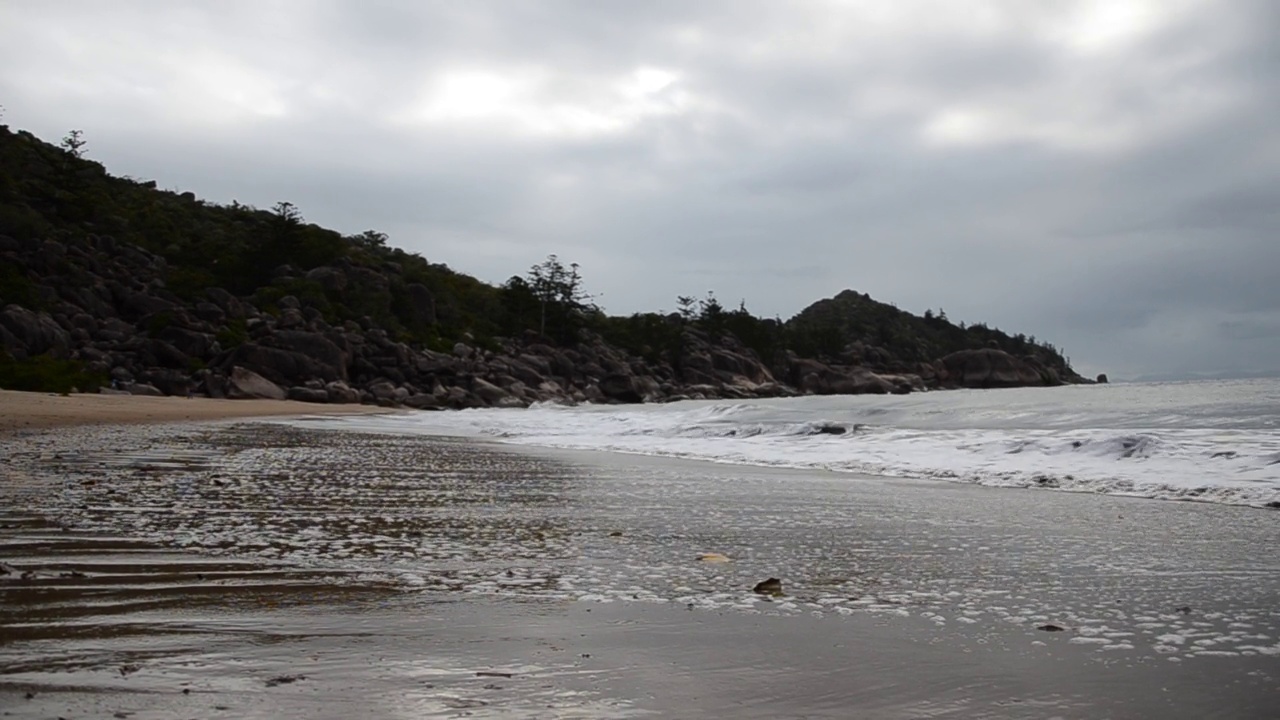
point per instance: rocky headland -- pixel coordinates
(112, 284)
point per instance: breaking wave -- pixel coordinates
(1205, 441)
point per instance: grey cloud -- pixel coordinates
(1117, 201)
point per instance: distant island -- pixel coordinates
(111, 284)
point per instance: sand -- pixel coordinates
(34, 411)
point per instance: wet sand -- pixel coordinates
(263, 570)
(36, 411)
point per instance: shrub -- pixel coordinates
(47, 374)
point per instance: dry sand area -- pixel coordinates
(35, 411)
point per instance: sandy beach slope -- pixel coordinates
(34, 411)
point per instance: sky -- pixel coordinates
(1102, 175)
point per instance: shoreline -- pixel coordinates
(21, 411)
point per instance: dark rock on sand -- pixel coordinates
(772, 586)
(247, 384)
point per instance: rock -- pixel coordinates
(316, 346)
(282, 367)
(144, 390)
(423, 401)
(331, 279)
(989, 368)
(188, 342)
(33, 333)
(489, 392)
(620, 388)
(772, 586)
(210, 313)
(306, 394)
(138, 305)
(341, 393)
(169, 381)
(1102, 379)
(383, 390)
(247, 384)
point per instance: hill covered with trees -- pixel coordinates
(113, 282)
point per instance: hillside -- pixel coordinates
(113, 282)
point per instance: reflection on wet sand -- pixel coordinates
(269, 570)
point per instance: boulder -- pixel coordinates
(1102, 379)
(331, 279)
(143, 389)
(33, 333)
(315, 346)
(306, 394)
(620, 388)
(169, 381)
(989, 368)
(490, 393)
(383, 390)
(246, 384)
(283, 367)
(423, 401)
(341, 393)
(188, 342)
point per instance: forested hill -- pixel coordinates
(114, 281)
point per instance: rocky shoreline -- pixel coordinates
(108, 307)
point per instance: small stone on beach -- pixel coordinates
(772, 586)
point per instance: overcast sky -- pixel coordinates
(1104, 175)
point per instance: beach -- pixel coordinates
(35, 411)
(265, 568)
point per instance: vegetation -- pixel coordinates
(47, 374)
(54, 192)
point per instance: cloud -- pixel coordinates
(1101, 175)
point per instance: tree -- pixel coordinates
(371, 239)
(74, 143)
(687, 305)
(563, 304)
(711, 312)
(287, 213)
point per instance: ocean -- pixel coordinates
(1209, 441)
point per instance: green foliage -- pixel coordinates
(52, 192)
(651, 336)
(74, 143)
(159, 322)
(44, 373)
(15, 288)
(234, 334)
(562, 304)
(829, 327)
